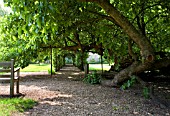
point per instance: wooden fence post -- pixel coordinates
(86, 69)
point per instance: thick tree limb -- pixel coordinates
(142, 10)
(142, 41)
(147, 51)
(77, 47)
(138, 67)
(106, 17)
(69, 39)
(76, 35)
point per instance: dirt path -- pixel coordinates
(65, 95)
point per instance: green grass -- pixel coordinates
(47, 67)
(36, 68)
(14, 105)
(99, 67)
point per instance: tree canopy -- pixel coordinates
(119, 30)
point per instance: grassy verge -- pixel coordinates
(14, 105)
(36, 68)
(99, 67)
(46, 67)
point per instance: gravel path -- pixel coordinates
(65, 95)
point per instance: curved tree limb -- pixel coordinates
(106, 17)
(147, 51)
(138, 67)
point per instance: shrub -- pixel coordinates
(146, 92)
(49, 71)
(129, 83)
(93, 78)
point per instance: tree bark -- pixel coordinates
(144, 44)
(124, 74)
(146, 49)
(138, 67)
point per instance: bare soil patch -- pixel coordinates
(65, 94)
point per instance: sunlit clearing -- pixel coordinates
(59, 73)
(44, 87)
(160, 87)
(76, 73)
(52, 103)
(70, 77)
(55, 101)
(65, 95)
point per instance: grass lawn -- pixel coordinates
(9, 106)
(46, 67)
(36, 68)
(99, 67)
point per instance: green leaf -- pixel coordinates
(28, 18)
(128, 83)
(20, 30)
(39, 22)
(25, 8)
(14, 38)
(44, 31)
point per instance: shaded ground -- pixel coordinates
(65, 95)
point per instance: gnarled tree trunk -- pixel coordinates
(144, 44)
(146, 49)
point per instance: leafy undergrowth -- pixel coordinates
(9, 106)
(93, 78)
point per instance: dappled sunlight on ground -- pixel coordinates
(55, 100)
(75, 73)
(70, 77)
(59, 73)
(65, 95)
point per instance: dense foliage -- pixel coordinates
(80, 27)
(93, 78)
(58, 59)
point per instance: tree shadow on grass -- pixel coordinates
(19, 95)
